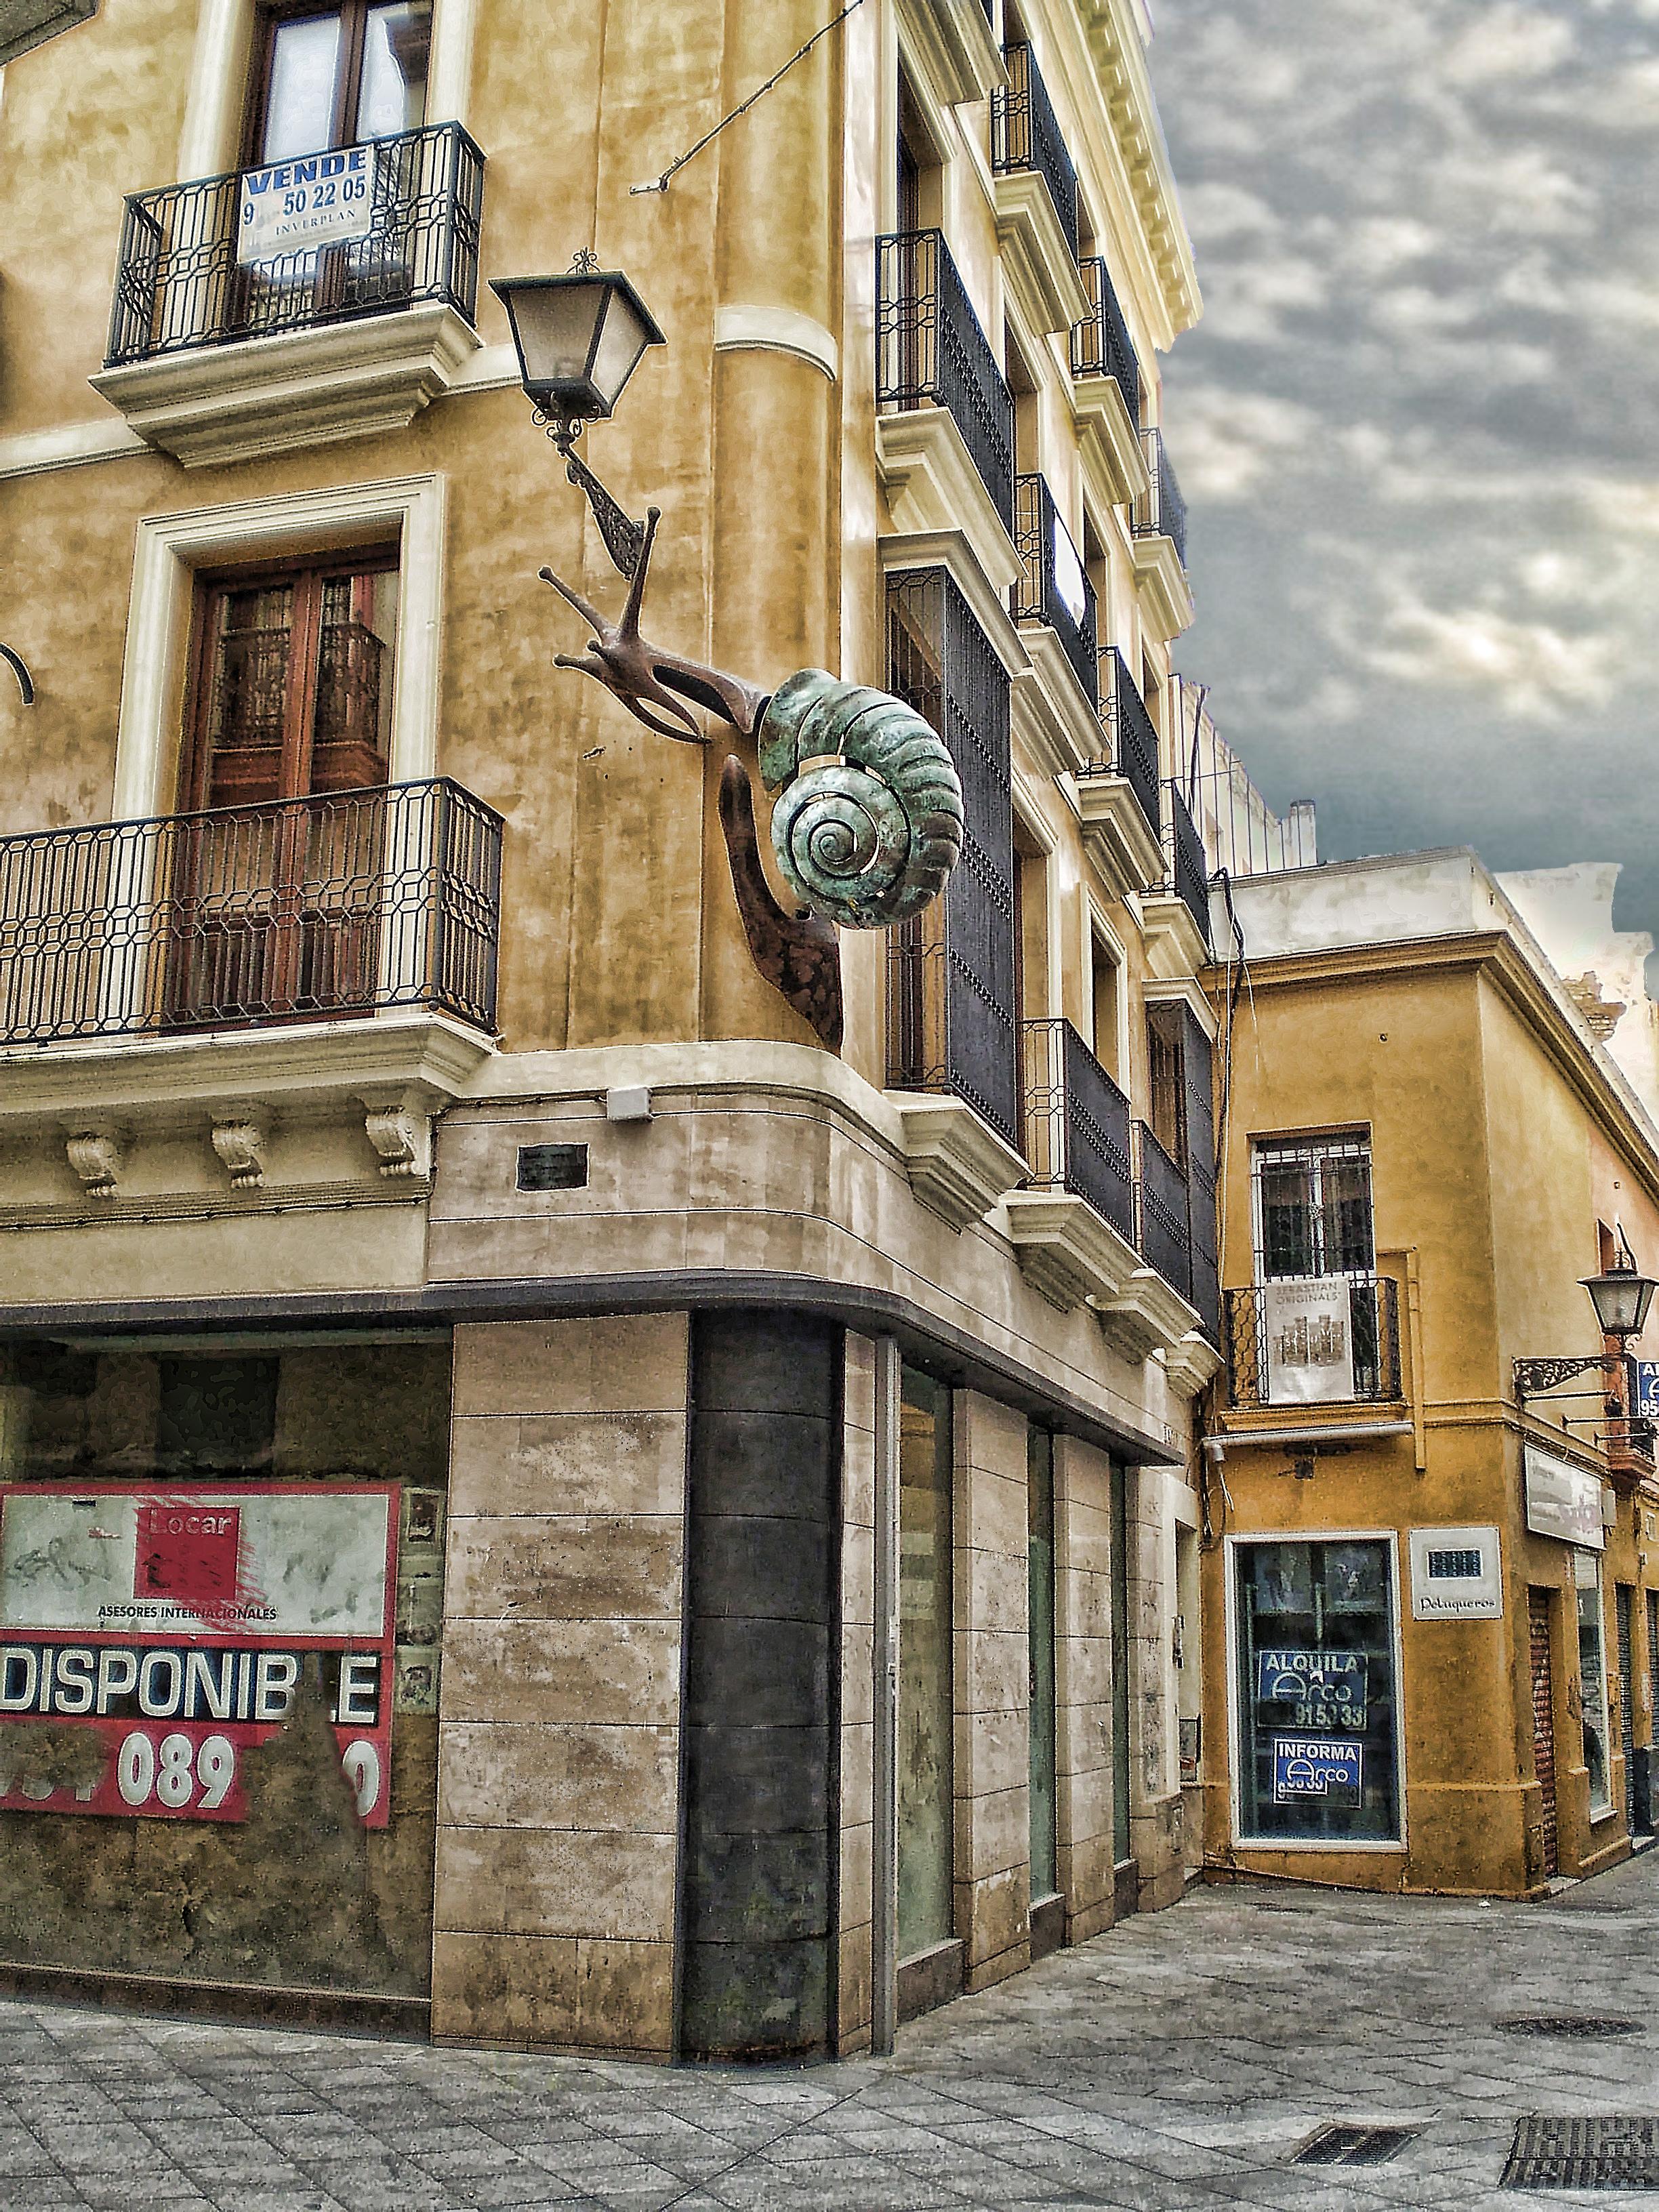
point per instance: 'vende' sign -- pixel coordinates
(325, 200)
(173, 1626)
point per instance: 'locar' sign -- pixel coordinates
(151, 1640)
(323, 199)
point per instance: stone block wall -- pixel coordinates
(559, 1738)
(1083, 1680)
(992, 1655)
(855, 1901)
(1156, 1817)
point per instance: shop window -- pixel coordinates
(327, 76)
(1317, 1702)
(1040, 1507)
(1593, 1682)
(925, 1709)
(1121, 1763)
(1313, 1200)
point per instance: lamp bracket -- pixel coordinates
(1533, 1376)
(624, 538)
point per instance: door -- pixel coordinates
(276, 881)
(1543, 1721)
(1621, 1598)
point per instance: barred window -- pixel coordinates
(1313, 1207)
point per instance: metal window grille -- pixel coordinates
(1054, 588)
(1025, 134)
(344, 904)
(1312, 1203)
(1162, 1213)
(1077, 1124)
(1101, 344)
(951, 1024)
(1186, 871)
(179, 284)
(1161, 512)
(931, 352)
(1133, 740)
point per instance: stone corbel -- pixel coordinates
(400, 1129)
(239, 1140)
(97, 1154)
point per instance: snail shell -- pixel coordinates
(867, 834)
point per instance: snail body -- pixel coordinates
(867, 822)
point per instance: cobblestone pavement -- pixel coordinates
(1180, 2060)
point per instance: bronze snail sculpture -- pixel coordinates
(867, 820)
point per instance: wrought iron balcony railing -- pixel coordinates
(1077, 1124)
(1054, 588)
(1258, 1346)
(1025, 134)
(1186, 871)
(180, 284)
(1133, 754)
(1101, 345)
(931, 352)
(307, 908)
(1164, 1230)
(1161, 512)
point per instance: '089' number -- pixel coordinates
(174, 1771)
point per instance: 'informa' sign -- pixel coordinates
(1326, 1769)
(294, 207)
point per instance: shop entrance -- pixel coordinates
(1543, 1722)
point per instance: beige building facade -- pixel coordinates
(549, 1498)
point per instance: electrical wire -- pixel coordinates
(661, 184)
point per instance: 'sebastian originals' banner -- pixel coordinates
(173, 1626)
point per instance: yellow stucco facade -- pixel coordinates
(1399, 1015)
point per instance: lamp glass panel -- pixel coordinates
(1622, 1301)
(623, 338)
(554, 327)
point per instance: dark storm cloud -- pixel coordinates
(1420, 423)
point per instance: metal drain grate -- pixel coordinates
(1339, 2144)
(1588, 2027)
(1584, 2155)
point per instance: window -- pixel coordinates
(1593, 1682)
(293, 681)
(1105, 1001)
(925, 1722)
(1039, 1628)
(1313, 1199)
(336, 77)
(1167, 1080)
(1317, 1748)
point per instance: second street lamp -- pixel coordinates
(1621, 1295)
(579, 338)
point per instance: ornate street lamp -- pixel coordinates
(580, 337)
(1621, 1295)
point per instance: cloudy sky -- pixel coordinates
(1417, 425)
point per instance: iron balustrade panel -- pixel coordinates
(350, 903)
(1134, 741)
(1374, 1316)
(1198, 1074)
(1101, 344)
(932, 352)
(1054, 588)
(951, 1000)
(1163, 1216)
(1161, 511)
(1077, 1124)
(179, 284)
(1025, 134)
(1186, 872)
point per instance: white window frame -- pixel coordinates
(1391, 1539)
(171, 548)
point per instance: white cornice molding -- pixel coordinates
(776, 329)
(952, 42)
(1037, 260)
(1120, 62)
(955, 551)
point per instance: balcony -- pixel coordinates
(356, 903)
(1159, 517)
(1101, 344)
(1162, 512)
(1267, 1369)
(1054, 590)
(1025, 135)
(1175, 911)
(1106, 393)
(932, 353)
(1072, 1223)
(213, 358)
(1120, 793)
